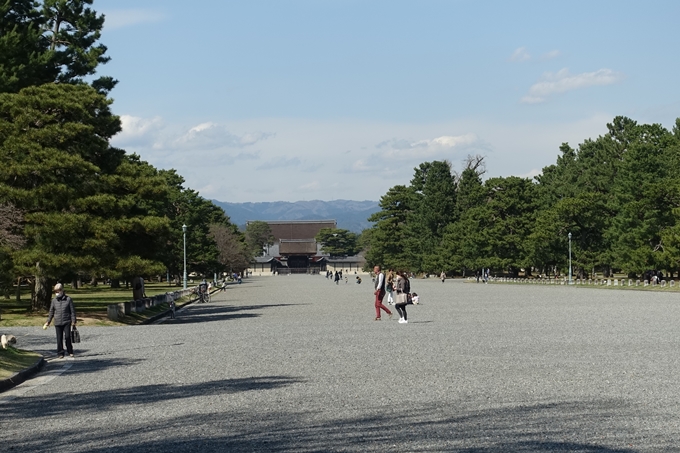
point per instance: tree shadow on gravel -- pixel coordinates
(65, 403)
(85, 366)
(211, 313)
(585, 427)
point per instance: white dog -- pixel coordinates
(7, 340)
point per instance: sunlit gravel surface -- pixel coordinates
(298, 364)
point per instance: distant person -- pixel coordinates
(358, 280)
(415, 298)
(380, 293)
(64, 315)
(337, 278)
(443, 276)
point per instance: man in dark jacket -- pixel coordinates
(64, 316)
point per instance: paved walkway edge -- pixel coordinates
(167, 313)
(22, 375)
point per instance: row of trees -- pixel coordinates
(72, 205)
(618, 195)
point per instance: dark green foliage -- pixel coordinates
(618, 195)
(85, 207)
(386, 241)
(50, 41)
(338, 242)
(258, 237)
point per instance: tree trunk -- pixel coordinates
(93, 282)
(18, 290)
(41, 297)
(74, 283)
(115, 283)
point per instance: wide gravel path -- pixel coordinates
(298, 364)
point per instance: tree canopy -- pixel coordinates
(618, 195)
(74, 204)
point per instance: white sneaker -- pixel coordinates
(405, 321)
(401, 320)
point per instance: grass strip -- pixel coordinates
(13, 360)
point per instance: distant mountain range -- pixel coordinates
(350, 215)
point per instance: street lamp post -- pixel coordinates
(569, 258)
(184, 229)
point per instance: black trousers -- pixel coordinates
(401, 309)
(61, 331)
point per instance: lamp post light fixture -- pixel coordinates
(569, 235)
(184, 230)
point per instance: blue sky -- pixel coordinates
(327, 99)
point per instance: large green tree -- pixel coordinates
(50, 41)
(258, 237)
(54, 150)
(338, 242)
(434, 202)
(385, 242)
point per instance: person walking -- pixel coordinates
(442, 276)
(64, 315)
(403, 292)
(380, 293)
(337, 278)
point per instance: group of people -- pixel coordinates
(337, 277)
(398, 288)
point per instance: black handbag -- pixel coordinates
(75, 335)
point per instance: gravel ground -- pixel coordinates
(298, 364)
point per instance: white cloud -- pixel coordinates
(520, 54)
(280, 162)
(153, 133)
(137, 131)
(208, 136)
(314, 185)
(562, 81)
(248, 155)
(550, 55)
(120, 18)
(405, 149)
(531, 173)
